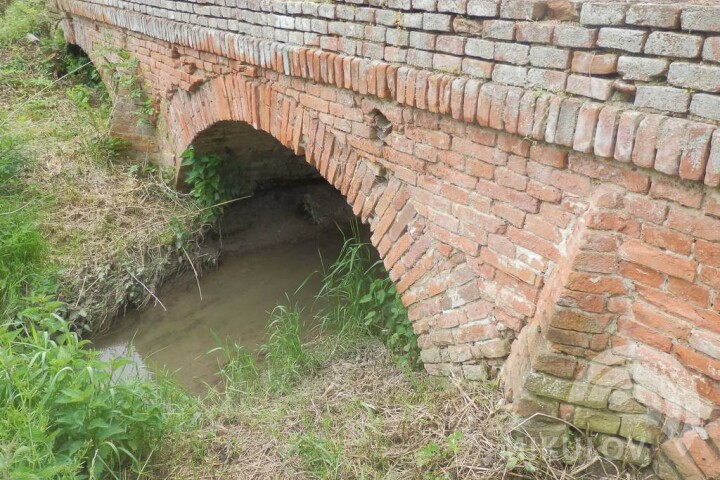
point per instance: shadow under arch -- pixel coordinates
(377, 197)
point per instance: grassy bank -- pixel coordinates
(353, 404)
(77, 228)
(109, 226)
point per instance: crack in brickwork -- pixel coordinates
(570, 243)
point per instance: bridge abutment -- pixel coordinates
(545, 195)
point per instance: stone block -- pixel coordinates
(596, 420)
(641, 427)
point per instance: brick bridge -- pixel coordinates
(541, 179)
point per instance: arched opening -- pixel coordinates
(285, 232)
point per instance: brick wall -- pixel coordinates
(541, 182)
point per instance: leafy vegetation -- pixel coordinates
(212, 182)
(61, 416)
(64, 413)
(365, 300)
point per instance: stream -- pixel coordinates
(271, 245)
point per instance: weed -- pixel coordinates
(210, 182)
(60, 414)
(366, 300)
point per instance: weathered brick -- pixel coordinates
(594, 64)
(552, 80)
(509, 75)
(476, 47)
(577, 37)
(627, 128)
(549, 57)
(511, 53)
(663, 98)
(477, 68)
(705, 105)
(437, 21)
(654, 15)
(622, 39)
(711, 49)
(701, 18)
(670, 44)
(694, 76)
(534, 32)
(603, 13)
(483, 8)
(522, 9)
(499, 29)
(641, 68)
(452, 6)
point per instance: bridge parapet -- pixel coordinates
(540, 178)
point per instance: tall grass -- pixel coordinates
(366, 301)
(363, 302)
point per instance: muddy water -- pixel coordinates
(272, 247)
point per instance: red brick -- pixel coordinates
(637, 252)
(584, 140)
(641, 274)
(689, 196)
(660, 322)
(595, 283)
(698, 361)
(667, 239)
(703, 454)
(643, 334)
(691, 292)
(644, 149)
(591, 63)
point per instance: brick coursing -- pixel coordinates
(573, 239)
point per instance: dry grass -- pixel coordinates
(110, 223)
(363, 417)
